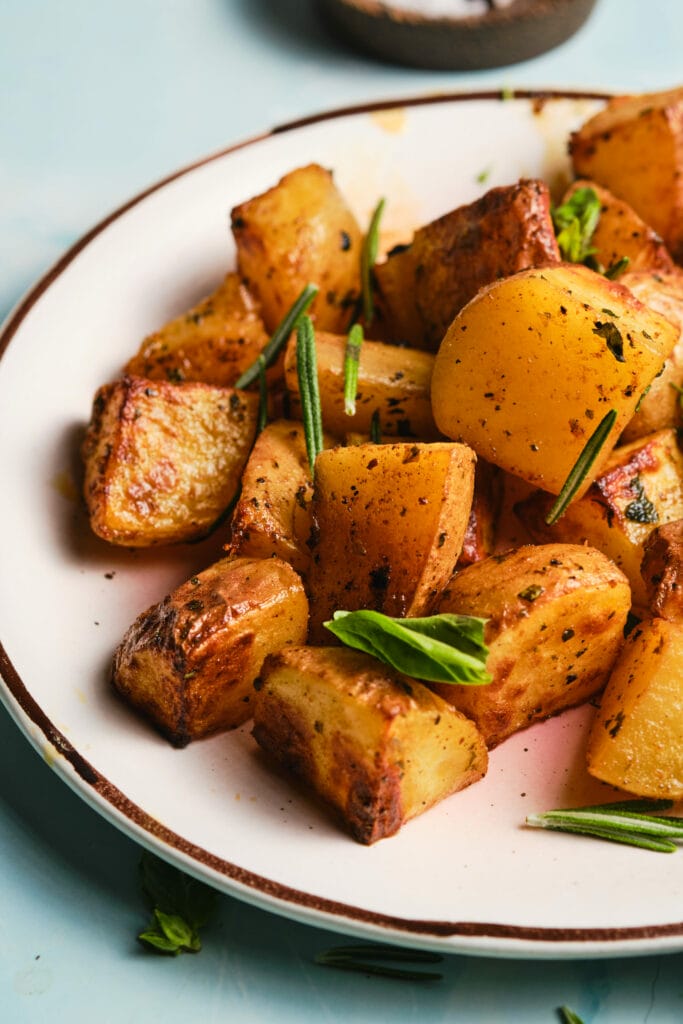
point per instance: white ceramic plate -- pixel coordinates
(466, 876)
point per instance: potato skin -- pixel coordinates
(297, 232)
(425, 284)
(531, 365)
(556, 615)
(388, 527)
(213, 342)
(381, 748)
(189, 662)
(662, 571)
(636, 742)
(162, 461)
(634, 147)
(642, 486)
(394, 382)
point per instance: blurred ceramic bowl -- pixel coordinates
(443, 34)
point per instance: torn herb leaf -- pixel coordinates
(439, 648)
(180, 906)
(612, 335)
(575, 222)
(641, 509)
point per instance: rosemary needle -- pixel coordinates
(375, 960)
(367, 261)
(263, 396)
(307, 372)
(375, 429)
(582, 466)
(279, 337)
(351, 360)
(623, 822)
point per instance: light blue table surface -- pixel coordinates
(98, 100)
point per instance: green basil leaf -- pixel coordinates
(177, 930)
(439, 649)
(158, 941)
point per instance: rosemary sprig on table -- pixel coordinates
(582, 466)
(280, 335)
(364, 960)
(628, 821)
(307, 372)
(439, 648)
(351, 358)
(367, 262)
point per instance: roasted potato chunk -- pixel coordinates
(556, 615)
(213, 342)
(662, 571)
(189, 662)
(272, 515)
(636, 742)
(641, 487)
(381, 748)
(423, 285)
(620, 233)
(298, 232)
(634, 147)
(480, 536)
(528, 369)
(162, 461)
(395, 382)
(388, 526)
(660, 406)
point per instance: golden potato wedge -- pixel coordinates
(634, 147)
(381, 748)
(662, 571)
(556, 615)
(298, 232)
(620, 233)
(213, 342)
(660, 406)
(425, 284)
(388, 526)
(641, 487)
(189, 662)
(393, 381)
(636, 742)
(529, 368)
(162, 461)
(272, 515)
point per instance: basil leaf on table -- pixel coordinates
(439, 648)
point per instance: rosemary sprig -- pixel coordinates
(278, 340)
(630, 822)
(351, 359)
(375, 430)
(582, 467)
(367, 261)
(373, 959)
(262, 396)
(307, 372)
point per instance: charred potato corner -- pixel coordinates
(365, 430)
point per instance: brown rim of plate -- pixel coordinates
(502, 36)
(133, 820)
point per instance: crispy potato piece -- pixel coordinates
(189, 662)
(556, 615)
(621, 232)
(480, 535)
(425, 284)
(272, 515)
(660, 406)
(379, 747)
(394, 381)
(641, 487)
(662, 571)
(634, 147)
(162, 461)
(298, 232)
(636, 742)
(529, 368)
(213, 342)
(388, 526)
